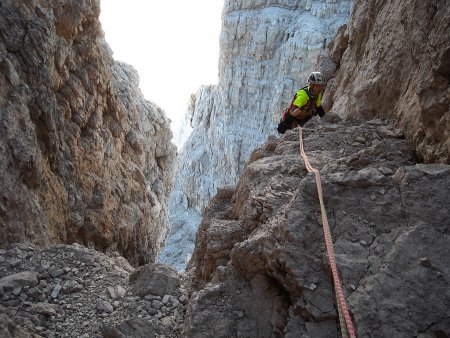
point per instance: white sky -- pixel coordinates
(174, 45)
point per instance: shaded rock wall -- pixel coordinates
(394, 61)
(84, 158)
(260, 269)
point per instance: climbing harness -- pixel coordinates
(345, 321)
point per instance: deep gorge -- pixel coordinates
(87, 168)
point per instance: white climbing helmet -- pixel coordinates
(316, 78)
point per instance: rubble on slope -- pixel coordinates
(72, 291)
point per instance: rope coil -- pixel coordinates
(345, 321)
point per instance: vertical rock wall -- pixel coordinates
(267, 49)
(394, 61)
(84, 158)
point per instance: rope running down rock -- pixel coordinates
(345, 321)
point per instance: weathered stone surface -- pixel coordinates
(21, 279)
(116, 292)
(8, 329)
(389, 223)
(134, 327)
(394, 61)
(154, 279)
(82, 152)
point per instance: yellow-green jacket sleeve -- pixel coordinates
(302, 99)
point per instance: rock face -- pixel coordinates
(394, 61)
(72, 291)
(267, 49)
(84, 158)
(260, 269)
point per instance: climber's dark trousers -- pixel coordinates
(290, 122)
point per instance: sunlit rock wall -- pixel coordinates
(83, 156)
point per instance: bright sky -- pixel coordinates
(174, 45)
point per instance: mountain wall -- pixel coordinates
(84, 157)
(260, 267)
(267, 49)
(394, 61)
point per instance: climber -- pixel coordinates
(305, 105)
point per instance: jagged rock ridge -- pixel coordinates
(267, 49)
(259, 267)
(84, 157)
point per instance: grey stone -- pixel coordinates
(12, 302)
(135, 327)
(166, 299)
(17, 291)
(15, 263)
(21, 279)
(56, 291)
(55, 272)
(156, 304)
(45, 309)
(116, 292)
(104, 306)
(155, 279)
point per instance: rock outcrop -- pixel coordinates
(394, 61)
(84, 158)
(260, 269)
(267, 49)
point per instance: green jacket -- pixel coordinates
(302, 97)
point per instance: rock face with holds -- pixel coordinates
(260, 269)
(394, 61)
(84, 158)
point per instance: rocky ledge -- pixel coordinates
(260, 269)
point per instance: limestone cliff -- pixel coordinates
(84, 157)
(394, 61)
(267, 49)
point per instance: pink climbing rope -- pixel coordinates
(346, 322)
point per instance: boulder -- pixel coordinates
(154, 279)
